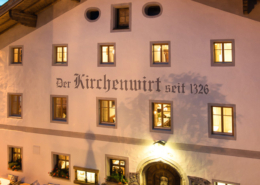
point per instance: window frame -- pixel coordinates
(76, 168)
(106, 124)
(11, 55)
(114, 17)
(151, 117)
(8, 156)
(221, 135)
(92, 9)
(99, 57)
(212, 50)
(62, 121)
(108, 158)
(55, 154)
(152, 64)
(226, 182)
(149, 4)
(9, 106)
(54, 55)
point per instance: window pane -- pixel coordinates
(157, 115)
(122, 163)
(218, 52)
(57, 107)
(62, 157)
(115, 161)
(62, 164)
(67, 165)
(228, 55)
(20, 54)
(59, 54)
(228, 124)
(217, 123)
(104, 54)
(115, 168)
(81, 176)
(123, 170)
(16, 53)
(227, 46)
(112, 112)
(219, 183)
(65, 54)
(111, 54)
(64, 108)
(217, 110)
(156, 53)
(91, 177)
(67, 158)
(227, 111)
(166, 115)
(104, 114)
(165, 53)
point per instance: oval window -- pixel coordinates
(152, 10)
(92, 14)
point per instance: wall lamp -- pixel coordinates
(160, 142)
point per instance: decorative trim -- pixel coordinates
(133, 141)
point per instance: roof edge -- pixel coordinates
(8, 5)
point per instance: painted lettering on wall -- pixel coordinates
(82, 81)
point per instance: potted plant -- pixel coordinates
(117, 177)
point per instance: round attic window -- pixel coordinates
(152, 10)
(92, 14)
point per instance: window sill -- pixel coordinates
(15, 64)
(223, 64)
(14, 117)
(60, 64)
(222, 136)
(61, 178)
(161, 65)
(59, 121)
(121, 30)
(107, 65)
(85, 183)
(162, 130)
(107, 125)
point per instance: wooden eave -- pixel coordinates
(23, 12)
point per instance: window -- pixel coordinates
(60, 56)
(222, 120)
(85, 175)
(59, 108)
(152, 10)
(107, 54)
(107, 112)
(61, 166)
(15, 105)
(223, 53)
(117, 164)
(16, 55)
(160, 54)
(161, 116)
(216, 182)
(92, 14)
(121, 17)
(15, 158)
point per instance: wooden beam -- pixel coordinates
(248, 6)
(23, 18)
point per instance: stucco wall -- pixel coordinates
(189, 26)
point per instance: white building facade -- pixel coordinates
(95, 87)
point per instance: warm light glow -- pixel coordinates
(216, 128)
(4, 181)
(81, 175)
(155, 112)
(91, 177)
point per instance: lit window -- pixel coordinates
(62, 54)
(61, 166)
(222, 120)
(224, 183)
(162, 115)
(223, 53)
(59, 108)
(17, 55)
(160, 53)
(85, 175)
(117, 166)
(107, 54)
(15, 105)
(107, 111)
(15, 159)
(123, 18)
